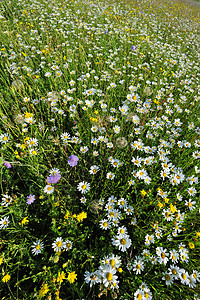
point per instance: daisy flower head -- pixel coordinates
(108, 275)
(4, 222)
(48, 189)
(112, 260)
(149, 239)
(105, 224)
(67, 245)
(92, 278)
(129, 210)
(4, 138)
(162, 255)
(122, 203)
(58, 245)
(94, 169)
(110, 175)
(37, 247)
(139, 294)
(138, 266)
(116, 129)
(83, 200)
(184, 277)
(84, 149)
(122, 241)
(6, 200)
(174, 270)
(192, 191)
(168, 277)
(112, 200)
(83, 187)
(122, 230)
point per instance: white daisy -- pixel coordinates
(37, 247)
(48, 189)
(4, 222)
(83, 187)
(58, 244)
(122, 241)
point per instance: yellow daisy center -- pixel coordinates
(59, 244)
(123, 241)
(109, 276)
(112, 262)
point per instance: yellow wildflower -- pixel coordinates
(198, 234)
(24, 221)
(160, 205)
(28, 115)
(173, 208)
(82, 216)
(6, 278)
(71, 277)
(61, 277)
(1, 260)
(67, 215)
(191, 245)
(143, 193)
(44, 290)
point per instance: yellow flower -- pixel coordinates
(198, 234)
(71, 277)
(143, 193)
(67, 215)
(44, 290)
(191, 245)
(1, 260)
(173, 208)
(81, 216)
(24, 221)
(6, 278)
(60, 277)
(28, 115)
(166, 200)
(160, 205)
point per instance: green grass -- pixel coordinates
(99, 137)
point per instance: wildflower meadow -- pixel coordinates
(99, 150)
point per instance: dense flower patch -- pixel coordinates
(99, 144)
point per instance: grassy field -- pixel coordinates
(99, 150)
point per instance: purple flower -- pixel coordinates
(54, 178)
(133, 47)
(106, 32)
(73, 159)
(30, 199)
(7, 164)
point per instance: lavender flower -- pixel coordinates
(30, 199)
(54, 178)
(73, 159)
(133, 47)
(7, 164)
